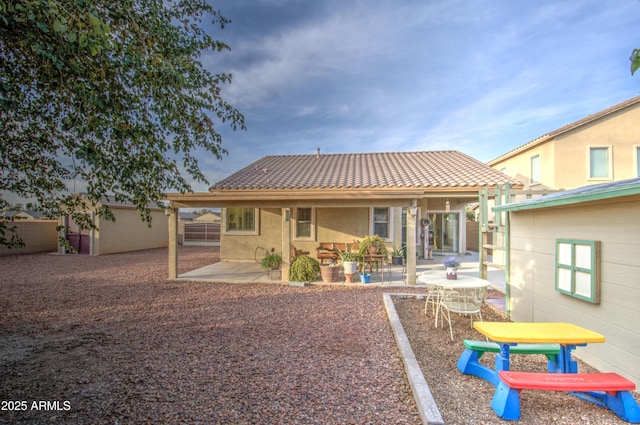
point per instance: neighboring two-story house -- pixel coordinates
(602, 147)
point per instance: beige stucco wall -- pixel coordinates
(533, 297)
(564, 159)
(129, 233)
(519, 166)
(341, 225)
(38, 236)
(620, 130)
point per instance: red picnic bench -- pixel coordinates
(604, 389)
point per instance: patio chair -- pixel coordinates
(433, 298)
(465, 301)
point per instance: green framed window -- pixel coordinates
(577, 269)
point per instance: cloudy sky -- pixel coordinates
(481, 76)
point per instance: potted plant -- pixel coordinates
(397, 255)
(452, 265)
(271, 262)
(330, 271)
(372, 245)
(349, 260)
(304, 269)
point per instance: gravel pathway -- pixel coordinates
(109, 340)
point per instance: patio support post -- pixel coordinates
(411, 244)
(171, 212)
(286, 243)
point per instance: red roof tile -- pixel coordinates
(429, 169)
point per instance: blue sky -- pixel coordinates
(481, 76)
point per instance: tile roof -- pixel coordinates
(427, 169)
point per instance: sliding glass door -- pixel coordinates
(446, 232)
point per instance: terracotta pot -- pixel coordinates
(373, 250)
(329, 273)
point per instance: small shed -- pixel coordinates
(574, 256)
(127, 233)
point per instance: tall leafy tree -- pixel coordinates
(109, 93)
(635, 60)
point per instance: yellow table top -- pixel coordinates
(537, 332)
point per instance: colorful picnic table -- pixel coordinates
(609, 390)
(568, 335)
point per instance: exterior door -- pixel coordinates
(446, 233)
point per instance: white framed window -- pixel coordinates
(577, 269)
(535, 169)
(241, 221)
(600, 164)
(637, 152)
(304, 224)
(381, 222)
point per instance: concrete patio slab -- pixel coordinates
(250, 271)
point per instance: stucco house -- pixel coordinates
(602, 147)
(280, 200)
(574, 257)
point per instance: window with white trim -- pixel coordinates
(381, 219)
(240, 221)
(535, 169)
(600, 162)
(577, 269)
(637, 161)
(304, 223)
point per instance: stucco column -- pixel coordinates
(173, 241)
(286, 243)
(411, 244)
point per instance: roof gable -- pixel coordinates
(566, 128)
(426, 169)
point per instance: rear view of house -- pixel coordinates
(415, 199)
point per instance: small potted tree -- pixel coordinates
(304, 269)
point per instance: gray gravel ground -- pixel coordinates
(109, 340)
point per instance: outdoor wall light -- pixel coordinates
(447, 206)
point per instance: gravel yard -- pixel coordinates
(109, 340)
(112, 341)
